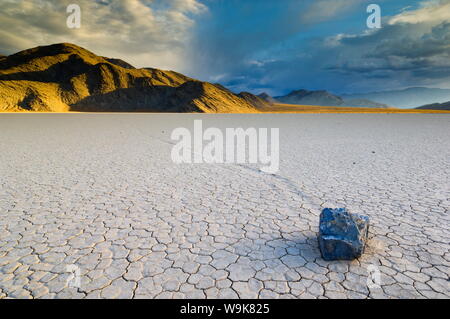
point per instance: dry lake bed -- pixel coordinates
(92, 206)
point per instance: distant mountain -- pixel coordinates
(324, 98)
(436, 106)
(266, 97)
(408, 98)
(364, 103)
(305, 97)
(65, 77)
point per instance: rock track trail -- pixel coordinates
(100, 192)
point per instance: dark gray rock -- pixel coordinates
(342, 236)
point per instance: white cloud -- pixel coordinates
(416, 32)
(413, 46)
(432, 12)
(134, 30)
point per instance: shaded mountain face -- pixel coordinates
(266, 97)
(254, 100)
(324, 98)
(65, 77)
(120, 62)
(408, 98)
(436, 106)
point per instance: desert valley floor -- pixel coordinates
(99, 191)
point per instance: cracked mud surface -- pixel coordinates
(101, 192)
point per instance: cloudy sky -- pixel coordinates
(253, 45)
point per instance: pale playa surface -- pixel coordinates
(100, 191)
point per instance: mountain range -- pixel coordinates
(408, 98)
(436, 106)
(65, 77)
(320, 98)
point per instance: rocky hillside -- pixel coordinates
(120, 62)
(255, 100)
(65, 77)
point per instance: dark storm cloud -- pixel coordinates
(412, 48)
